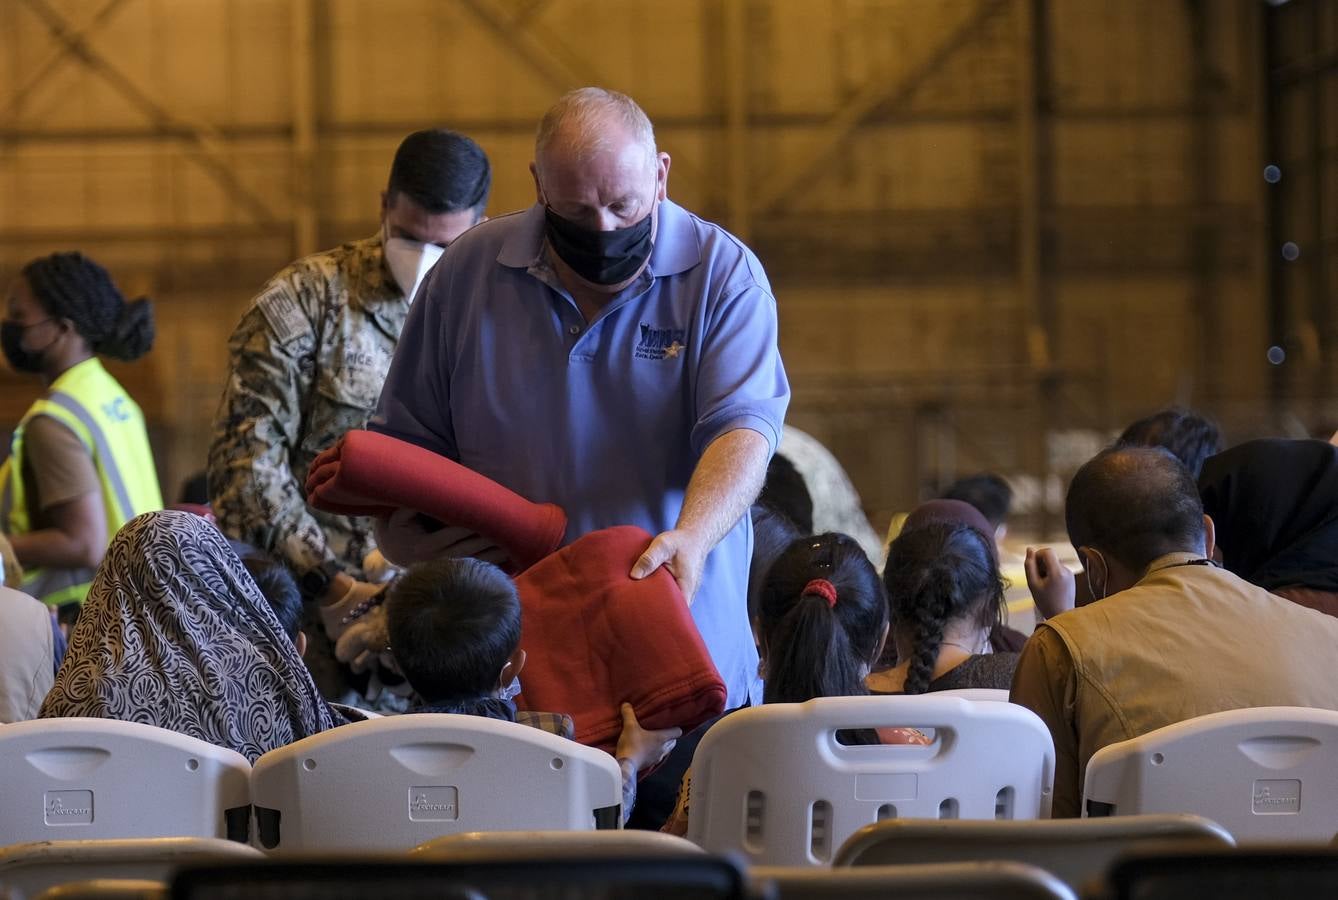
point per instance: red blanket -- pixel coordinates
(369, 474)
(595, 638)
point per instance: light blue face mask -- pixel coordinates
(510, 691)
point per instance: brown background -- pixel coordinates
(997, 229)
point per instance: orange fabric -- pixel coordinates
(369, 474)
(594, 638)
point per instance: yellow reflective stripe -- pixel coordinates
(105, 457)
(75, 593)
(7, 497)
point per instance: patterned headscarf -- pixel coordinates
(174, 633)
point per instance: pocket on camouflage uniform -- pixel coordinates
(343, 400)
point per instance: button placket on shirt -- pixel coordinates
(582, 342)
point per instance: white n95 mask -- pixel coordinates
(409, 262)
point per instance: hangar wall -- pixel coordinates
(997, 229)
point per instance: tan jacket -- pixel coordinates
(26, 655)
(1187, 640)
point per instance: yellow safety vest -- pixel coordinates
(93, 405)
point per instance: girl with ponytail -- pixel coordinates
(821, 623)
(945, 596)
(79, 465)
(821, 620)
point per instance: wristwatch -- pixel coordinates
(316, 581)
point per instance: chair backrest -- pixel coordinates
(82, 779)
(1296, 873)
(395, 782)
(1074, 850)
(1263, 774)
(29, 869)
(108, 889)
(777, 785)
(475, 846)
(690, 878)
(942, 881)
(996, 694)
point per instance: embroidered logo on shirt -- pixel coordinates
(660, 343)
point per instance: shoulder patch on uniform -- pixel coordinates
(283, 314)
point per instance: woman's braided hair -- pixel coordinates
(936, 575)
(72, 286)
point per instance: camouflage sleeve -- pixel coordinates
(255, 494)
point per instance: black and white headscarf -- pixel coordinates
(174, 633)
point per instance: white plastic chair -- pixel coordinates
(775, 784)
(395, 782)
(82, 779)
(1263, 774)
(29, 869)
(992, 694)
(938, 881)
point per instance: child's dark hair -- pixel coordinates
(453, 624)
(987, 492)
(1190, 436)
(72, 286)
(815, 647)
(786, 492)
(773, 533)
(278, 587)
(937, 574)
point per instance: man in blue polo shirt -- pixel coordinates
(608, 351)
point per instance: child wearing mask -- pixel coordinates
(454, 629)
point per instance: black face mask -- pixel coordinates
(11, 342)
(601, 257)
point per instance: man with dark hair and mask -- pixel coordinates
(1169, 635)
(307, 362)
(610, 352)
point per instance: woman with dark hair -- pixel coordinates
(1274, 505)
(821, 620)
(945, 597)
(821, 624)
(80, 466)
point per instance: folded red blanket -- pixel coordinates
(369, 474)
(594, 638)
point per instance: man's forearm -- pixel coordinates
(725, 483)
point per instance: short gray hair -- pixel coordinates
(587, 110)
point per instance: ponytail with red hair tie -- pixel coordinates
(823, 588)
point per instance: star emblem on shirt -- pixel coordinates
(672, 351)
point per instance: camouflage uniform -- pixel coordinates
(306, 365)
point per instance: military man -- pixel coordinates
(306, 365)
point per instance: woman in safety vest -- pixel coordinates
(79, 465)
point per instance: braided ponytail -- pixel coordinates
(936, 575)
(72, 286)
(929, 615)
